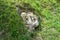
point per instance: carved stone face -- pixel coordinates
(30, 20)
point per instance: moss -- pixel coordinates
(48, 12)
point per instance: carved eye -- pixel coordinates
(34, 19)
(26, 18)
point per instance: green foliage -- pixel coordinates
(12, 25)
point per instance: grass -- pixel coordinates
(47, 10)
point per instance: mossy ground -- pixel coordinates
(12, 25)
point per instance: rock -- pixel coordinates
(30, 20)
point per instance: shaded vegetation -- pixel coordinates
(12, 26)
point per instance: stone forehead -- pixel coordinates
(26, 12)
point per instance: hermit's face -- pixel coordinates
(30, 20)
